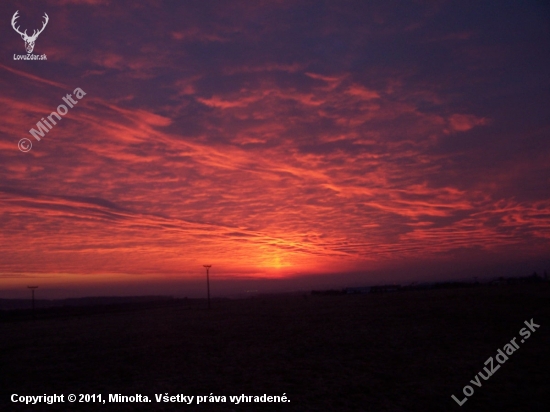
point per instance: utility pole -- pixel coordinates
(32, 288)
(208, 283)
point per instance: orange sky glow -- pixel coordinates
(278, 140)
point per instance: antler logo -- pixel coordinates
(29, 40)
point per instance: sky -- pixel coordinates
(289, 144)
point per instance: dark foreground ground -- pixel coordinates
(404, 351)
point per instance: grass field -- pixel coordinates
(404, 351)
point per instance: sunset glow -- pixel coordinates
(272, 139)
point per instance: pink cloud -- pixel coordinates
(465, 122)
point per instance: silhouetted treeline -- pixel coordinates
(330, 292)
(534, 278)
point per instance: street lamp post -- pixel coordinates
(208, 283)
(32, 288)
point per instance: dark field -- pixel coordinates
(404, 351)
